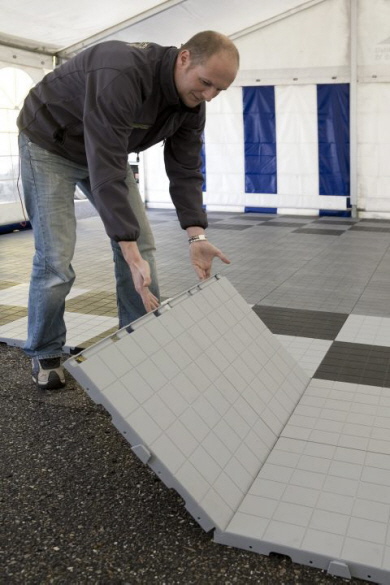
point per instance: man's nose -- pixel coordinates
(210, 93)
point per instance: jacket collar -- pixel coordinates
(167, 81)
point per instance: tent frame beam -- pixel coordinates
(17, 44)
(73, 49)
(273, 19)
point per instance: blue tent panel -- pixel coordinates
(260, 139)
(333, 138)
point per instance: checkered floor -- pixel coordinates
(321, 285)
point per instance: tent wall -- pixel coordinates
(294, 53)
(373, 112)
(311, 43)
(295, 56)
(19, 70)
(374, 149)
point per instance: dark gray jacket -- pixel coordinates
(112, 99)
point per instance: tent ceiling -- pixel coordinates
(55, 26)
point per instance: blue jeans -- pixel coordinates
(49, 183)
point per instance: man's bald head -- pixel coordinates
(205, 44)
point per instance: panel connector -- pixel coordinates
(339, 569)
(142, 453)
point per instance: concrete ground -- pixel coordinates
(79, 507)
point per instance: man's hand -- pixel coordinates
(202, 254)
(140, 271)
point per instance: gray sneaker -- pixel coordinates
(48, 373)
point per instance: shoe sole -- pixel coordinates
(52, 382)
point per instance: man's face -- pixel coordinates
(203, 82)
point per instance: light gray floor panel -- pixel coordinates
(18, 295)
(215, 405)
(324, 496)
(80, 329)
(364, 329)
(307, 352)
(201, 389)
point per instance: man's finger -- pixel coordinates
(224, 258)
(149, 301)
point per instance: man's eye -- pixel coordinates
(206, 82)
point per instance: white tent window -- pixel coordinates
(14, 85)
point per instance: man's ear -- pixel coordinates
(184, 57)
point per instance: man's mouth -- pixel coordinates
(196, 99)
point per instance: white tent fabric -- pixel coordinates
(289, 44)
(224, 139)
(309, 41)
(56, 25)
(297, 142)
(14, 84)
(374, 148)
(60, 25)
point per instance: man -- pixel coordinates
(77, 127)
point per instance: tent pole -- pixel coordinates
(353, 108)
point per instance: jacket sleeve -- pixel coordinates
(182, 155)
(108, 110)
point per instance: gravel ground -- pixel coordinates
(79, 507)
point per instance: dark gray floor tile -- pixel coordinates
(356, 363)
(300, 322)
(229, 226)
(275, 223)
(319, 231)
(371, 228)
(374, 220)
(10, 313)
(5, 284)
(95, 303)
(251, 217)
(336, 221)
